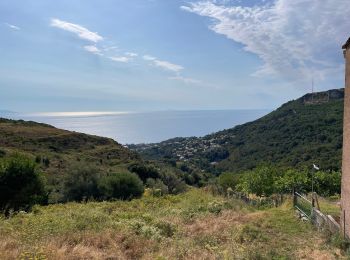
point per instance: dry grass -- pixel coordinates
(194, 225)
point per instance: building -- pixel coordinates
(345, 183)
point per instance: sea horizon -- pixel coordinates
(134, 127)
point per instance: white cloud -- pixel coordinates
(110, 48)
(120, 59)
(79, 30)
(148, 57)
(163, 64)
(186, 80)
(14, 27)
(93, 49)
(295, 39)
(168, 66)
(131, 54)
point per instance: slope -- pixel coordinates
(301, 132)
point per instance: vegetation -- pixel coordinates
(89, 184)
(121, 186)
(79, 167)
(267, 180)
(299, 133)
(81, 184)
(167, 219)
(191, 225)
(21, 185)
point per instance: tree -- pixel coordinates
(260, 181)
(327, 183)
(292, 178)
(21, 184)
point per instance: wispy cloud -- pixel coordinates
(131, 54)
(186, 80)
(168, 65)
(77, 29)
(93, 49)
(120, 59)
(163, 64)
(148, 57)
(128, 56)
(13, 27)
(292, 42)
(110, 48)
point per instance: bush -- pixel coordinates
(228, 180)
(2, 153)
(144, 171)
(21, 185)
(157, 185)
(81, 183)
(174, 183)
(123, 186)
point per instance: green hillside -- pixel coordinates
(301, 132)
(59, 152)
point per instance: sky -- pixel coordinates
(142, 55)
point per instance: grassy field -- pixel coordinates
(193, 225)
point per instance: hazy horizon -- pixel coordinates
(146, 127)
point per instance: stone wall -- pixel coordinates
(324, 222)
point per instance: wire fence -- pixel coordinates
(303, 205)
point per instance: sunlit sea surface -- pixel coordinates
(146, 127)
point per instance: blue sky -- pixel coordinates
(117, 55)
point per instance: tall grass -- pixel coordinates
(192, 225)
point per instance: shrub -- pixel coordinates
(123, 186)
(228, 180)
(144, 171)
(174, 183)
(81, 183)
(21, 185)
(157, 185)
(2, 153)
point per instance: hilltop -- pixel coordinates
(37, 139)
(300, 132)
(58, 152)
(75, 165)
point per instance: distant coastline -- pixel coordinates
(143, 127)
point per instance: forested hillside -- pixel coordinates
(301, 132)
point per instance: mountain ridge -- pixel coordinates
(298, 133)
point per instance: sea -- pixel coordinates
(143, 127)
